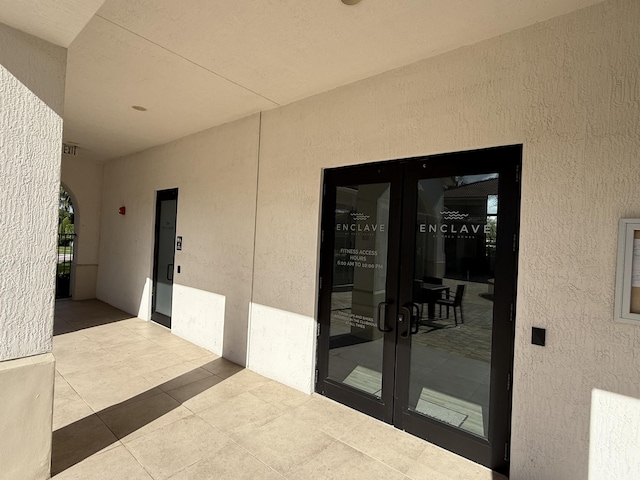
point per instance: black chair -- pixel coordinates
(455, 301)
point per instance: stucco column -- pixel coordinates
(32, 74)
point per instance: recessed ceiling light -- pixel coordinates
(351, 2)
(139, 108)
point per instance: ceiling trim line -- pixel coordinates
(189, 60)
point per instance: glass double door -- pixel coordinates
(417, 296)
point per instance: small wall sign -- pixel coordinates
(178, 243)
(627, 301)
(69, 149)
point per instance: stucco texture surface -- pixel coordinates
(568, 90)
(215, 173)
(32, 74)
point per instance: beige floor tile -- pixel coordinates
(61, 387)
(285, 443)
(111, 334)
(200, 361)
(280, 396)
(75, 340)
(172, 448)
(69, 408)
(139, 348)
(174, 376)
(329, 416)
(80, 440)
(248, 378)
(99, 368)
(205, 393)
(231, 463)
(340, 461)
(112, 388)
(222, 367)
(153, 361)
(434, 461)
(135, 418)
(383, 442)
(240, 415)
(71, 361)
(189, 351)
(113, 464)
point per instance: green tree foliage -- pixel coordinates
(65, 213)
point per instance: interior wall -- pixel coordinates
(215, 172)
(81, 176)
(567, 90)
(32, 74)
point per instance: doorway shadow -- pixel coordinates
(83, 438)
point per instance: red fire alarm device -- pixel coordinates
(122, 210)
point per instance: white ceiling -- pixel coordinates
(195, 64)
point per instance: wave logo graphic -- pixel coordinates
(360, 216)
(454, 215)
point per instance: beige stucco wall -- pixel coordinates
(32, 74)
(566, 89)
(81, 176)
(215, 173)
(26, 412)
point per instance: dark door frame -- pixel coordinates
(161, 195)
(391, 408)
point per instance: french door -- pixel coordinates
(417, 296)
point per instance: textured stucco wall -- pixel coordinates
(615, 419)
(568, 90)
(32, 74)
(215, 173)
(82, 178)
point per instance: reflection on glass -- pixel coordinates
(166, 240)
(456, 228)
(359, 285)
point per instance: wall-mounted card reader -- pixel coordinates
(538, 336)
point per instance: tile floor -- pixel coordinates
(133, 401)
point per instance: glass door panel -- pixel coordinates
(358, 291)
(417, 290)
(454, 271)
(166, 211)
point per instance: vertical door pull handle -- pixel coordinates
(170, 272)
(409, 321)
(415, 320)
(381, 327)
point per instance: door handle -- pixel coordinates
(416, 323)
(409, 321)
(170, 272)
(382, 328)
